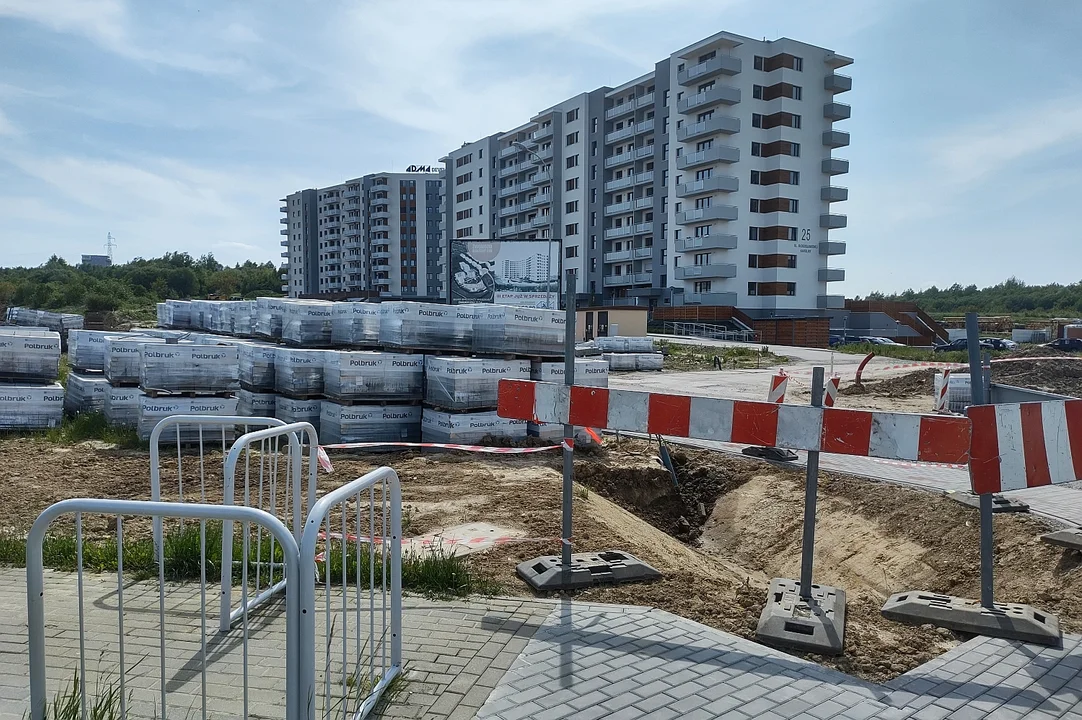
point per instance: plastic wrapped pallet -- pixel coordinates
(626, 344)
(268, 317)
(244, 315)
(122, 406)
(504, 329)
(425, 326)
(591, 373)
(291, 411)
(200, 314)
(307, 323)
(61, 323)
(28, 355)
(468, 428)
(648, 361)
(154, 410)
(162, 315)
(355, 324)
(469, 383)
(369, 423)
(122, 357)
(299, 371)
(959, 395)
(256, 404)
(188, 367)
(619, 361)
(369, 375)
(31, 407)
(178, 314)
(86, 393)
(256, 371)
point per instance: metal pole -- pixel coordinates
(811, 490)
(977, 397)
(569, 430)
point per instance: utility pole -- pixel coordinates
(109, 245)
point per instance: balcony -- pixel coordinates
(644, 100)
(379, 215)
(718, 183)
(715, 212)
(510, 170)
(617, 208)
(643, 228)
(832, 222)
(545, 154)
(621, 159)
(620, 134)
(720, 124)
(540, 222)
(542, 199)
(284, 243)
(644, 202)
(618, 110)
(540, 178)
(330, 224)
(717, 95)
(645, 177)
(508, 230)
(512, 189)
(618, 232)
(836, 83)
(284, 231)
(284, 221)
(835, 138)
(829, 247)
(511, 210)
(381, 258)
(645, 126)
(509, 151)
(351, 194)
(542, 133)
(830, 302)
(617, 184)
(832, 193)
(723, 299)
(831, 274)
(285, 288)
(617, 280)
(643, 253)
(285, 254)
(836, 111)
(698, 272)
(644, 152)
(722, 64)
(618, 256)
(707, 242)
(835, 166)
(722, 154)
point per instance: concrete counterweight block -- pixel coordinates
(587, 569)
(816, 624)
(1007, 620)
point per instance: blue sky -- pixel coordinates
(179, 125)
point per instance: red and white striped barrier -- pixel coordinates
(778, 383)
(444, 446)
(1023, 445)
(895, 436)
(830, 391)
(941, 398)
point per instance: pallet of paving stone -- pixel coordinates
(533, 333)
(122, 359)
(368, 375)
(28, 355)
(428, 327)
(292, 410)
(307, 323)
(469, 427)
(256, 404)
(369, 423)
(185, 367)
(121, 406)
(85, 393)
(355, 325)
(256, 365)
(31, 407)
(153, 410)
(468, 383)
(268, 317)
(298, 372)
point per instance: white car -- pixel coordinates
(880, 341)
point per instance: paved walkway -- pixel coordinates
(508, 658)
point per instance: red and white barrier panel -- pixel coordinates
(894, 436)
(1023, 445)
(830, 391)
(778, 384)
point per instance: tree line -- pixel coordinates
(1010, 297)
(60, 286)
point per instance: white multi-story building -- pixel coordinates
(707, 181)
(375, 236)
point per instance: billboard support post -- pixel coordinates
(569, 430)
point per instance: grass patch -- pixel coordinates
(92, 426)
(903, 352)
(103, 703)
(681, 356)
(436, 573)
(65, 368)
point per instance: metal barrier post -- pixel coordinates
(977, 397)
(811, 490)
(569, 430)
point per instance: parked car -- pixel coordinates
(1068, 344)
(961, 345)
(874, 340)
(836, 340)
(1001, 343)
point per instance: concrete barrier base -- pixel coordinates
(1000, 504)
(610, 566)
(1070, 538)
(1007, 620)
(816, 625)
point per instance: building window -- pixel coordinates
(465, 178)
(752, 288)
(572, 229)
(593, 264)
(463, 214)
(702, 258)
(572, 138)
(572, 206)
(756, 119)
(572, 161)
(464, 160)
(703, 202)
(702, 231)
(594, 125)
(790, 289)
(464, 232)
(572, 115)
(571, 251)
(572, 184)
(757, 92)
(757, 149)
(703, 286)
(753, 261)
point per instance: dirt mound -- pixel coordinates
(899, 386)
(1055, 376)
(1036, 351)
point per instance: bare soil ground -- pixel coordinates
(719, 536)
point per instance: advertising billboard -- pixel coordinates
(506, 272)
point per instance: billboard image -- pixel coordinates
(506, 272)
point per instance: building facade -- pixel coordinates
(372, 236)
(709, 180)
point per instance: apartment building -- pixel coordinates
(706, 181)
(373, 236)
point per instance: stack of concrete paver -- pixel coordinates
(29, 355)
(85, 393)
(369, 423)
(307, 323)
(251, 403)
(508, 330)
(468, 428)
(268, 317)
(298, 372)
(153, 410)
(427, 326)
(188, 368)
(293, 410)
(355, 325)
(453, 383)
(365, 376)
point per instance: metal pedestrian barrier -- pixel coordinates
(353, 536)
(138, 690)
